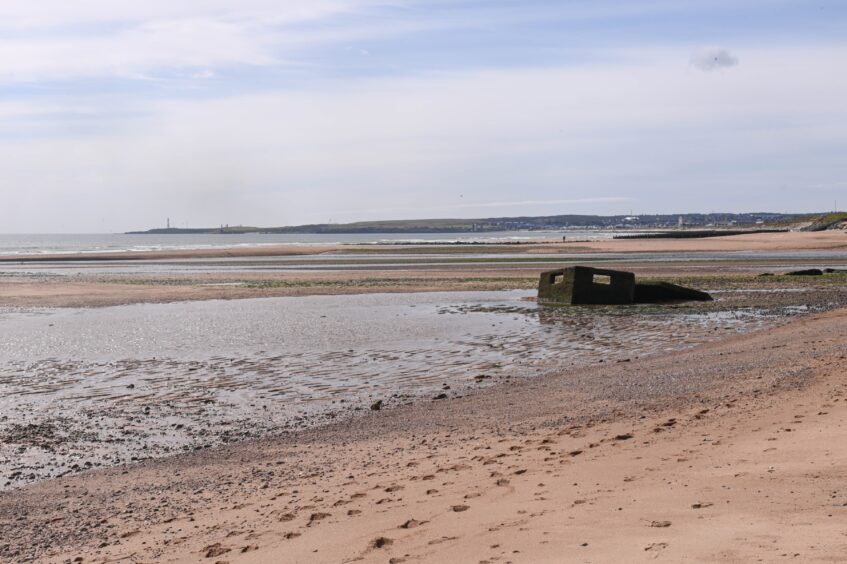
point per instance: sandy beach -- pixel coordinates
(719, 444)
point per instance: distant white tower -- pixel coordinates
(680, 223)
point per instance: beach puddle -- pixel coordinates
(97, 387)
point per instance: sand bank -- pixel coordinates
(218, 252)
(823, 240)
(790, 241)
(731, 452)
(116, 283)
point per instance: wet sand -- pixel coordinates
(730, 452)
(88, 388)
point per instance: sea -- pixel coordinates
(35, 244)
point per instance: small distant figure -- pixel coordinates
(563, 238)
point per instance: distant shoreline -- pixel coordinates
(571, 222)
(747, 241)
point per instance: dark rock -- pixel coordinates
(648, 293)
(376, 406)
(807, 272)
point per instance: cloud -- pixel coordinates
(541, 140)
(713, 58)
(102, 38)
(88, 14)
(171, 44)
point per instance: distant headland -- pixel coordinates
(759, 220)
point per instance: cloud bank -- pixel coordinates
(713, 58)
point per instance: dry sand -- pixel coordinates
(732, 452)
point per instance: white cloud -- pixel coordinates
(134, 51)
(713, 58)
(47, 14)
(55, 40)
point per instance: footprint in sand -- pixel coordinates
(315, 517)
(214, 550)
(381, 542)
(282, 518)
(656, 546)
(442, 539)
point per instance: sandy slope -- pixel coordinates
(733, 452)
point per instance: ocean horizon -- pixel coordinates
(71, 243)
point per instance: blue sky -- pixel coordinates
(114, 115)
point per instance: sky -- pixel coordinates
(117, 115)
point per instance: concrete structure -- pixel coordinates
(585, 285)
